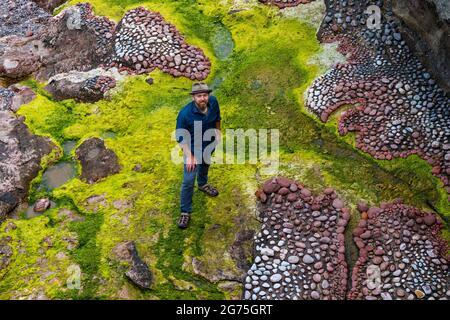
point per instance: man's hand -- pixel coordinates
(218, 136)
(191, 162)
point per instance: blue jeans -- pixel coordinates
(187, 187)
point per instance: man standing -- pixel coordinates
(202, 114)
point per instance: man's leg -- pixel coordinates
(187, 189)
(203, 181)
(202, 178)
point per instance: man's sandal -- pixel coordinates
(183, 221)
(209, 190)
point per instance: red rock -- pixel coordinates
(305, 192)
(373, 212)
(366, 235)
(377, 260)
(270, 187)
(362, 206)
(293, 187)
(283, 191)
(263, 197)
(41, 205)
(284, 182)
(357, 232)
(292, 197)
(429, 220)
(338, 204)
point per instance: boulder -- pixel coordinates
(96, 160)
(138, 272)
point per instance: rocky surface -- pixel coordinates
(91, 89)
(21, 17)
(77, 40)
(400, 255)
(41, 205)
(96, 160)
(285, 3)
(138, 271)
(426, 31)
(143, 41)
(400, 110)
(20, 151)
(300, 252)
(49, 5)
(5, 253)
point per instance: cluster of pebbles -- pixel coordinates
(81, 17)
(400, 255)
(300, 253)
(399, 108)
(21, 17)
(77, 40)
(300, 250)
(144, 41)
(285, 3)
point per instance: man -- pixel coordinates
(203, 113)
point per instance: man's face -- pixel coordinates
(201, 99)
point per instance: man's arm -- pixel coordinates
(218, 122)
(190, 159)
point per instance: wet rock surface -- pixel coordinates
(399, 109)
(300, 249)
(400, 255)
(138, 272)
(97, 161)
(20, 151)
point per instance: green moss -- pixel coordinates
(259, 85)
(35, 269)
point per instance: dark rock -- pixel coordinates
(85, 89)
(20, 151)
(138, 272)
(97, 161)
(41, 205)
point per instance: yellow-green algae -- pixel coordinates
(261, 86)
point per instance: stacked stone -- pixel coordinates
(300, 251)
(145, 41)
(400, 108)
(400, 255)
(285, 3)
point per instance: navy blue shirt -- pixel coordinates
(191, 113)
